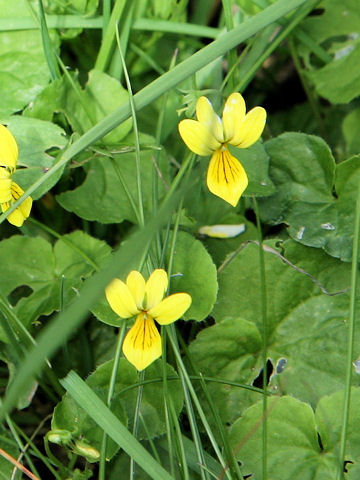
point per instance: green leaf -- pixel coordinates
(84, 107)
(195, 273)
(350, 129)
(329, 419)
(305, 175)
(307, 334)
(35, 138)
(109, 202)
(294, 451)
(255, 160)
(24, 71)
(228, 351)
(72, 418)
(32, 263)
(101, 96)
(338, 81)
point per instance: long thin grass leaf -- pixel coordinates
(109, 37)
(47, 45)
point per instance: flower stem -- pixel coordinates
(136, 419)
(109, 397)
(350, 341)
(136, 132)
(264, 336)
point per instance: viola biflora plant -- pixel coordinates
(178, 293)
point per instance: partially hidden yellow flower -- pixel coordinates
(142, 344)
(210, 135)
(10, 191)
(8, 149)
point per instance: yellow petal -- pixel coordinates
(20, 214)
(171, 308)
(142, 345)
(155, 288)
(8, 149)
(233, 115)
(120, 299)
(197, 137)
(136, 283)
(5, 185)
(250, 129)
(206, 115)
(226, 177)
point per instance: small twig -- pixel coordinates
(18, 465)
(160, 175)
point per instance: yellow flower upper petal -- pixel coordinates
(171, 308)
(197, 137)
(5, 185)
(226, 177)
(8, 149)
(155, 288)
(136, 283)
(233, 115)
(250, 130)
(121, 299)
(142, 344)
(206, 115)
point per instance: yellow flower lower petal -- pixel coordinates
(250, 129)
(226, 177)
(206, 115)
(20, 214)
(197, 137)
(5, 185)
(171, 308)
(233, 115)
(136, 283)
(120, 299)
(8, 149)
(155, 288)
(142, 345)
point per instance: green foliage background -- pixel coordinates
(93, 92)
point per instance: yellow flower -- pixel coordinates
(209, 134)
(142, 344)
(9, 190)
(8, 149)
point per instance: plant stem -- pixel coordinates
(109, 397)
(351, 334)
(264, 335)
(136, 420)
